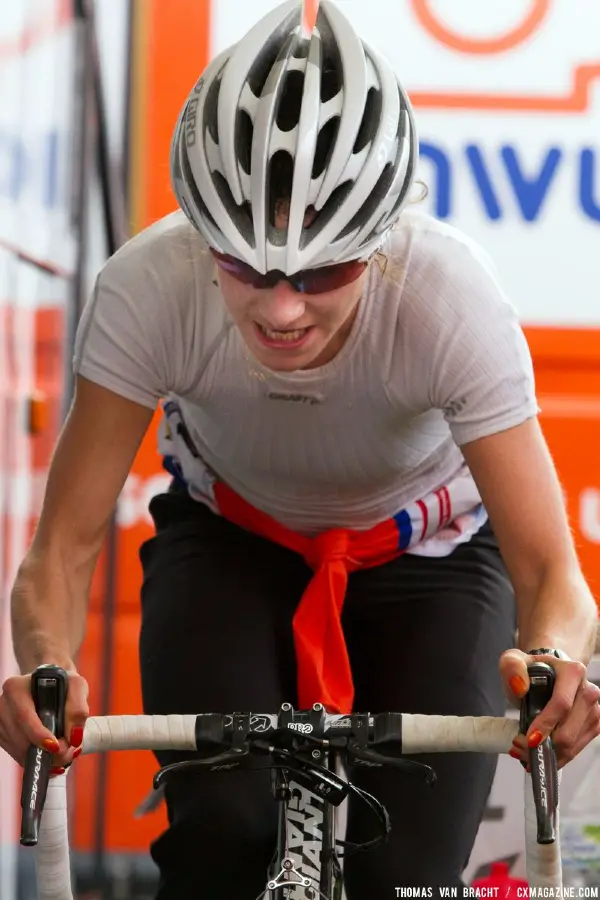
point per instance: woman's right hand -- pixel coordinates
(20, 726)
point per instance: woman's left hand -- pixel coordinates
(571, 716)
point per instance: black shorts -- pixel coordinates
(424, 635)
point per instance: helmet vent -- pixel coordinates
(325, 145)
(376, 231)
(210, 109)
(324, 215)
(290, 101)
(264, 62)
(376, 196)
(244, 133)
(241, 215)
(190, 184)
(281, 175)
(370, 120)
(406, 186)
(331, 82)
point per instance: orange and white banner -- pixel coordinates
(36, 88)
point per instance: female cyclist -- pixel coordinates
(347, 397)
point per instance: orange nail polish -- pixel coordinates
(76, 737)
(518, 686)
(535, 739)
(51, 745)
(514, 754)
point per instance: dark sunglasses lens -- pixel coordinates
(310, 281)
(239, 270)
(330, 278)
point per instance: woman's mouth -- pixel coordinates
(287, 338)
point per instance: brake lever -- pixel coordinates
(366, 757)
(542, 759)
(232, 759)
(49, 692)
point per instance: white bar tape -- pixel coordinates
(52, 852)
(446, 734)
(139, 733)
(420, 734)
(544, 868)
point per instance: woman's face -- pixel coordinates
(286, 330)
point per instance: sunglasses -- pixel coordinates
(308, 281)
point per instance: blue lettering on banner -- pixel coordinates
(26, 163)
(443, 185)
(484, 182)
(531, 188)
(531, 192)
(589, 205)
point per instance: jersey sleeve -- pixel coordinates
(115, 344)
(132, 332)
(481, 371)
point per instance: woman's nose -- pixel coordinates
(282, 305)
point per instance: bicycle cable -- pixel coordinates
(378, 808)
(382, 814)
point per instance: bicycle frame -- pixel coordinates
(306, 838)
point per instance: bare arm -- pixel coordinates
(521, 491)
(555, 608)
(89, 467)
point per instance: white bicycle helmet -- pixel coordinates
(322, 114)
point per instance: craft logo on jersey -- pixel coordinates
(309, 399)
